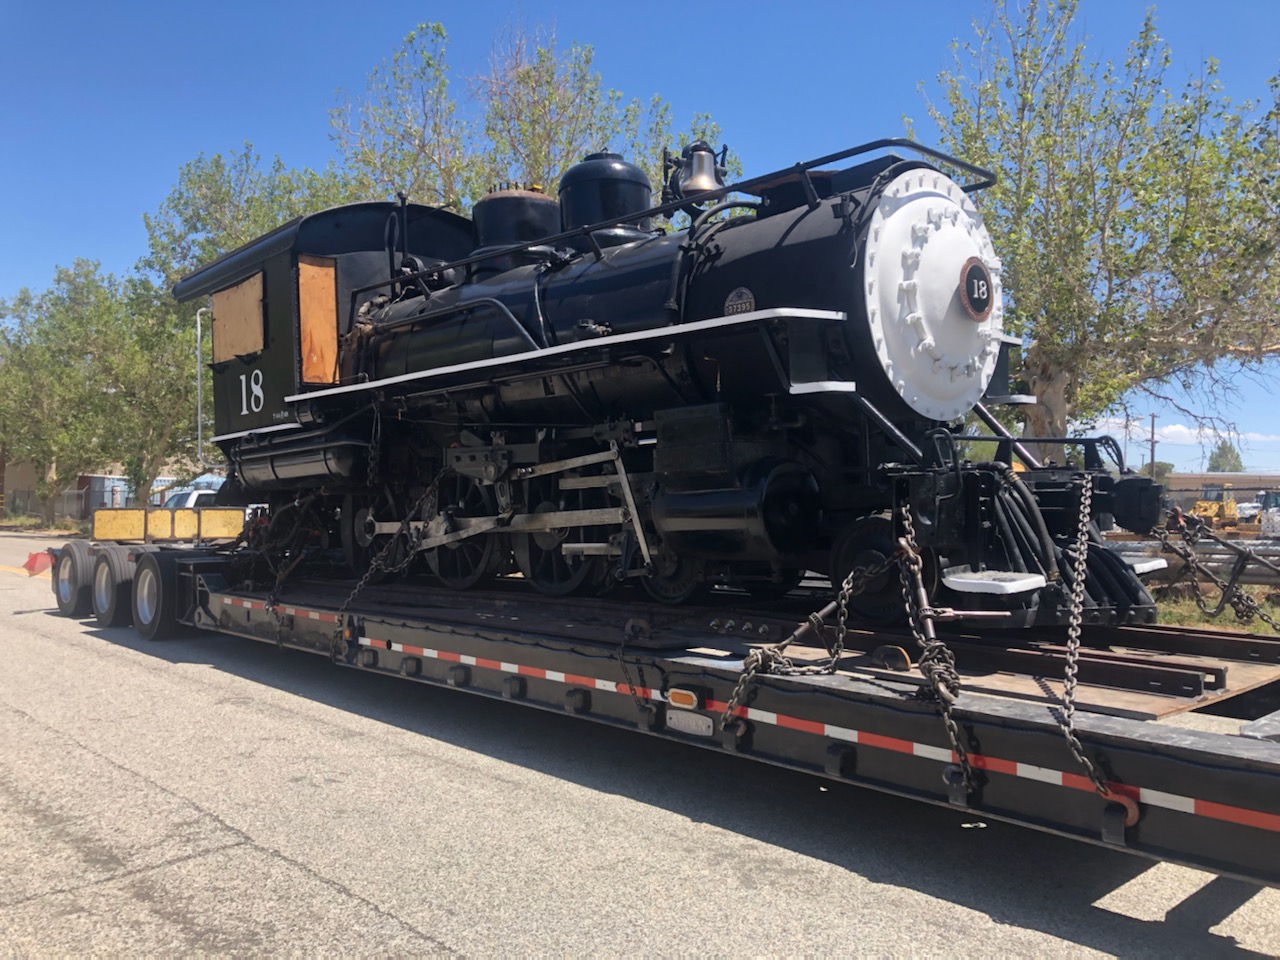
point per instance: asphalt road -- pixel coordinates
(216, 795)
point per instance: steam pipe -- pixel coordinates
(873, 414)
(999, 429)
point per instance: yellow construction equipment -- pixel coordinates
(1217, 506)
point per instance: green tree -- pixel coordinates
(226, 200)
(544, 109)
(153, 373)
(58, 404)
(1225, 458)
(1138, 225)
(406, 132)
(535, 111)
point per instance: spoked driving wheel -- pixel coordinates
(540, 555)
(466, 562)
(359, 544)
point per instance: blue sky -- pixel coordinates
(102, 102)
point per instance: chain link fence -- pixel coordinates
(68, 505)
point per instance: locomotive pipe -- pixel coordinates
(1100, 571)
(1015, 550)
(1029, 540)
(999, 429)
(404, 224)
(390, 235)
(460, 308)
(884, 423)
(200, 397)
(1030, 509)
(1035, 515)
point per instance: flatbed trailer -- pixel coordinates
(868, 716)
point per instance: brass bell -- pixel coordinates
(700, 173)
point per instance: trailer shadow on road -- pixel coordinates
(1014, 875)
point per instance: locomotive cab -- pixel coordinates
(282, 302)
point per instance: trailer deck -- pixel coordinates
(1182, 726)
(1204, 798)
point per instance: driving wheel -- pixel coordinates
(359, 546)
(465, 563)
(540, 554)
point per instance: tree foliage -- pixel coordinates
(1225, 458)
(406, 132)
(225, 200)
(1138, 225)
(153, 369)
(58, 404)
(97, 372)
(544, 109)
(536, 110)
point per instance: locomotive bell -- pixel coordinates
(700, 171)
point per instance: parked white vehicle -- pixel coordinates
(184, 499)
(1269, 515)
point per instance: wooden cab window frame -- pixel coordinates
(317, 319)
(239, 322)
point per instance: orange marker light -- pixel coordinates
(684, 699)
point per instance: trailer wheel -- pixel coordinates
(112, 587)
(72, 579)
(155, 583)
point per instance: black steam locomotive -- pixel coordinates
(555, 387)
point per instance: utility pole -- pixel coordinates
(1153, 446)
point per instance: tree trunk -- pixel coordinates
(48, 491)
(1048, 418)
(153, 463)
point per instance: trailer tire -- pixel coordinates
(113, 587)
(73, 579)
(155, 585)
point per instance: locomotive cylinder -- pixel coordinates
(775, 511)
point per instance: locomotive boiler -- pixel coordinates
(555, 387)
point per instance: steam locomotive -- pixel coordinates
(555, 387)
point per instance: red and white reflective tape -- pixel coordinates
(518, 669)
(299, 612)
(878, 741)
(302, 614)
